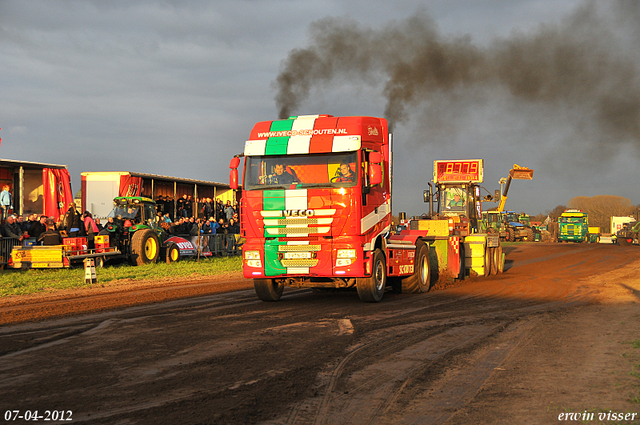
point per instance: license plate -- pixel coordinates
(296, 255)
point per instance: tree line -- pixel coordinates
(600, 209)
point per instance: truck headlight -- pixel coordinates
(252, 259)
(345, 257)
(346, 253)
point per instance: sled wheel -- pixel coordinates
(370, 289)
(173, 253)
(498, 258)
(488, 259)
(145, 247)
(494, 261)
(268, 289)
(420, 280)
(462, 272)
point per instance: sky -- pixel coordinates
(174, 87)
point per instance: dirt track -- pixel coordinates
(551, 336)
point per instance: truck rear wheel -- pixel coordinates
(371, 289)
(511, 235)
(420, 280)
(145, 247)
(268, 289)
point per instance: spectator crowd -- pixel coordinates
(210, 218)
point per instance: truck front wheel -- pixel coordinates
(420, 280)
(370, 289)
(268, 289)
(145, 247)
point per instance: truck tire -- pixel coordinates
(145, 247)
(370, 289)
(511, 235)
(268, 289)
(420, 280)
(173, 253)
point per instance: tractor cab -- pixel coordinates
(132, 213)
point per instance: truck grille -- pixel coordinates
(296, 230)
(298, 248)
(312, 262)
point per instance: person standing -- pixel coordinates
(38, 227)
(72, 221)
(91, 229)
(12, 229)
(51, 236)
(6, 201)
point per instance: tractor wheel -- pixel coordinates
(488, 259)
(268, 289)
(530, 235)
(420, 280)
(371, 289)
(511, 235)
(172, 254)
(145, 247)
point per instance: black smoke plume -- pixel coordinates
(584, 61)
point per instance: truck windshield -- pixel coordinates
(302, 171)
(570, 219)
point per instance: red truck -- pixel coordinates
(316, 212)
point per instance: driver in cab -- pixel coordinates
(280, 175)
(457, 202)
(344, 174)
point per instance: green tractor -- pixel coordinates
(134, 232)
(628, 235)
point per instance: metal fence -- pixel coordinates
(218, 244)
(6, 245)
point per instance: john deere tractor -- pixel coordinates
(135, 233)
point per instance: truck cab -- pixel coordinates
(316, 200)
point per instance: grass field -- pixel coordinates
(22, 282)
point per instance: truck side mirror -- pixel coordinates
(233, 173)
(496, 195)
(375, 169)
(426, 194)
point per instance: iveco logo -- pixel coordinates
(298, 213)
(373, 131)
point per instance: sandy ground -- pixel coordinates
(554, 339)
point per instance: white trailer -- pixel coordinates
(618, 222)
(99, 188)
